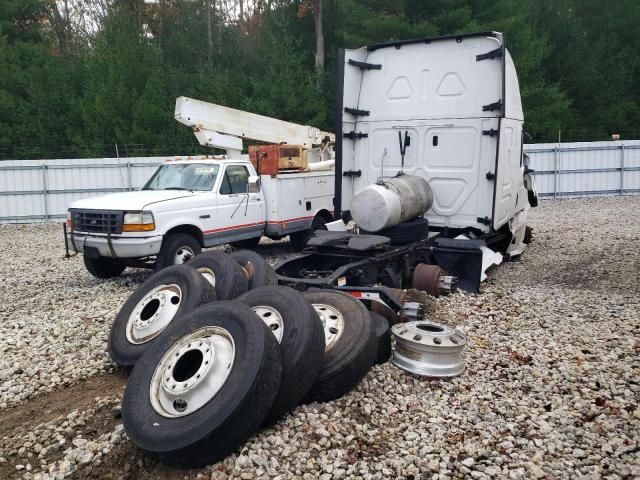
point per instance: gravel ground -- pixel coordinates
(551, 388)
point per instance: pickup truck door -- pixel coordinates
(239, 215)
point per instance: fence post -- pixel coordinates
(555, 173)
(129, 180)
(44, 192)
(622, 169)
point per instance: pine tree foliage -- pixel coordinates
(79, 77)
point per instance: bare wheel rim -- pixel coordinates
(153, 313)
(192, 372)
(208, 275)
(183, 254)
(332, 321)
(272, 318)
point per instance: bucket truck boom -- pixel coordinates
(225, 128)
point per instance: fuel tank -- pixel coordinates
(390, 202)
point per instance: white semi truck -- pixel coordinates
(196, 202)
(429, 160)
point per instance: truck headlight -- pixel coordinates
(138, 222)
(69, 219)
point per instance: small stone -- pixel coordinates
(468, 462)
(84, 458)
(79, 442)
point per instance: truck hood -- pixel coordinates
(129, 200)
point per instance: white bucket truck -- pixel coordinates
(195, 202)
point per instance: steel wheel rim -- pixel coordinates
(332, 321)
(153, 313)
(192, 372)
(429, 349)
(183, 254)
(272, 318)
(208, 274)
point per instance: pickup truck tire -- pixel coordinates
(405, 232)
(299, 240)
(188, 435)
(160, 301)
(350, 344)
(104, 267)
(383, 337)
(177, 248)
(225, 275)
(247, 243)
(298, 329)
(260, 273)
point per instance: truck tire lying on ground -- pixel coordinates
(406, 232)
(383, 338)
(259, 271)
(350, 344)
(177, 248)
(104, 267)
(204, 387)
(220, 271)
(162, 298)
(298, 329)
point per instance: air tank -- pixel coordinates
(390, 202)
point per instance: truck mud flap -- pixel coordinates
(462, 258)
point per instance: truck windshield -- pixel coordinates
(187, 176)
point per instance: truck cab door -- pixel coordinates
(239, 213)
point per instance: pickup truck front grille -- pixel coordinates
(97, 221)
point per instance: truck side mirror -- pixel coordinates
(253, 185)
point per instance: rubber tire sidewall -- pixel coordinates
(195, 292)
(383, 338)
(170, 246)
(349, 359)
(231, 280)
(302, 344)
(104, 267)
(261, 272)
(227, 421)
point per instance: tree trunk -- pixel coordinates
(210, 14)
(317, 8)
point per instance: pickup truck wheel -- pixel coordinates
(247, 243)
(222, 273)
(298, 329)
(299, 240)
(104, 267)
(204, 388)
(177, 248)
(162, 299)
(260, 273)
(383, 337)
(350, 341)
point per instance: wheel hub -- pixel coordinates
(332, 321)
(272, 318)
(183, 254)
(192, 372)
(153, 313)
